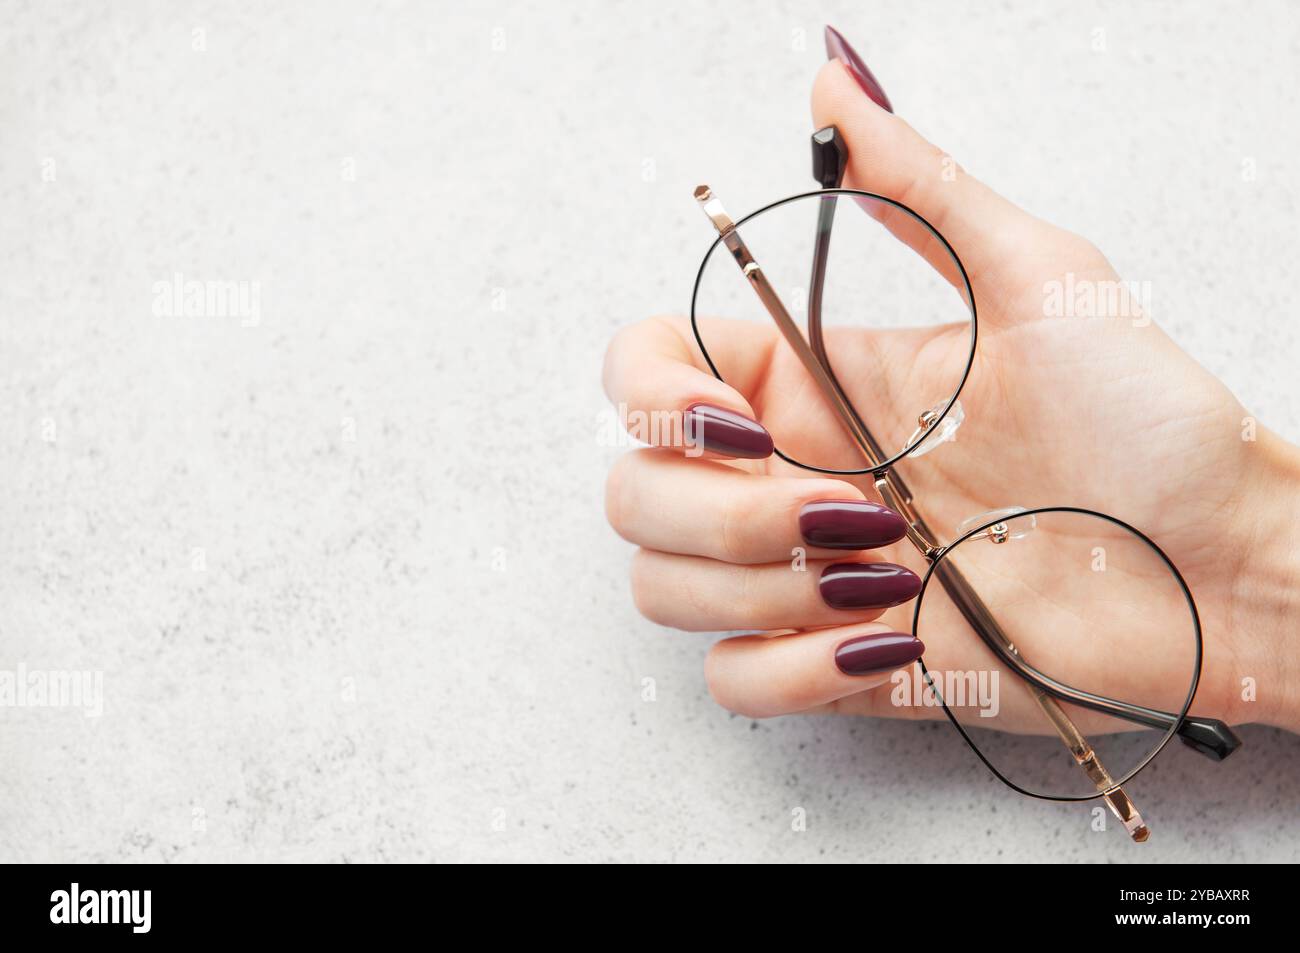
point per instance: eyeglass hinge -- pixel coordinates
(901, 503)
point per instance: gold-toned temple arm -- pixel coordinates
(896, 497)
(1086, 757)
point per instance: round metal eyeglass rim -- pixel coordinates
(881, 467)
(1187, 596)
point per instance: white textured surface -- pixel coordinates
(497, 710)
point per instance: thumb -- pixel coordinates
(890, 158)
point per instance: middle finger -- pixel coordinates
(673, 504)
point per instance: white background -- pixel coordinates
(419, 644)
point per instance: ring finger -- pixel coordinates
(704, 595)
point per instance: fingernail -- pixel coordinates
(868, 585)
(726, 432)
(838, 48)
(877, 653)
(850, 524)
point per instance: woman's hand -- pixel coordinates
(1096, 411)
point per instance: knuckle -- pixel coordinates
(1088, 252)
(643, 586)
(616, 493)
(740, 691)
(735, 522)
(722, 686)
(693, 601)
(673, 322)
(920, 188)
(609, 367)
(625, 341)
(1081, 253)
(756, 603)
(656, 595)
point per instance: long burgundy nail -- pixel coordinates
(726, 432)
(877, 653)
(868, 585)
(838, 48)
(850, 524)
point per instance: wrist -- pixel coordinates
(1266, 593)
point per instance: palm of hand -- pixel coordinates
(1101, 412)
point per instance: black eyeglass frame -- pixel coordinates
(826, 214)
(1045, 682)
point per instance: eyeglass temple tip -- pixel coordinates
(830, 157)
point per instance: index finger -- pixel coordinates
(666, 397)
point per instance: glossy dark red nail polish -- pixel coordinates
(877, 653)
(868, 585)
(839, 48)
(726, 432)
(850, 524)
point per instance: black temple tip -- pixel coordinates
(830, 157)
(1209, 737)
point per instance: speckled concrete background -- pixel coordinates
(345, 568)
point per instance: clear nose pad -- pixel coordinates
(927, 436)
(1004, 529)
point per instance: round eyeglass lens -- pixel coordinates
(1083, 603)
(877, 293)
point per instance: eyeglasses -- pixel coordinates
(1056, 614)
